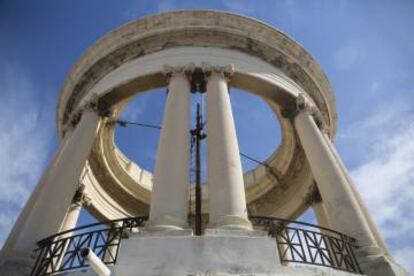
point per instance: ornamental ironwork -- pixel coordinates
(305, 243)
(62, 252)
(297, 242)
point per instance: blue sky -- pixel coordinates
(365, 47)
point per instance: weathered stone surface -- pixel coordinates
(219, 254)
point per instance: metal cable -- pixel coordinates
(124, 123)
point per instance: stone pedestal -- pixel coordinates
(16, 265)
(197, 255)
(220, 252)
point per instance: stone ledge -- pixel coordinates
(222, 232)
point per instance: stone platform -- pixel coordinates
(215, 253)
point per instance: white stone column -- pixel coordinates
(113, 248)
(342, 209)
(315, 201)
(344, 215)
(43, 214)
(372, 225)
(79, 200)
(321, 214)
(169, 197)
(226, 194)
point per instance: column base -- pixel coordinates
(232, 222)
(372, 261)
(166, 223)
(17, 265)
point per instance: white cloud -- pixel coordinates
(385, 175)
(406, 256)
(387, 182)
(133, 111)
(348, 55)
(23, 144)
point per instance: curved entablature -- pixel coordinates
(203, 29)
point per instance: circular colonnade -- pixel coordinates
(264, 62)
(130, 61)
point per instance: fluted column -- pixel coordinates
(344, 215)
(226, 194)
(169, 197)
(46, 209)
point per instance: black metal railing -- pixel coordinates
(305, 243)
(297, 242)
(62, 252)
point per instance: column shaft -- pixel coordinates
(169, 196)
(344, 215)
(43, 214)
(373, 227)
(68, 223)
(71, 217)
(226, 194)
(114, 236)
(321, 214)
(322, 218)
(16, 229)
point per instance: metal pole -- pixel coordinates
(199, 137)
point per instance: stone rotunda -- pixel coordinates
(244, 224)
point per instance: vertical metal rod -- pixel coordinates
(199, 137)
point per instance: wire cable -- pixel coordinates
(124, 123)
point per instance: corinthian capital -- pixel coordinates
(224, 71)
(312, 196)
(81, 198)
(303, 103)
(93, 104)
(186, 70)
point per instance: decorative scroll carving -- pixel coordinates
(312, 196)
(324, 128)
(81, 198)
(186, 70)
(305, 104)
(95, 104)
(224, 71)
